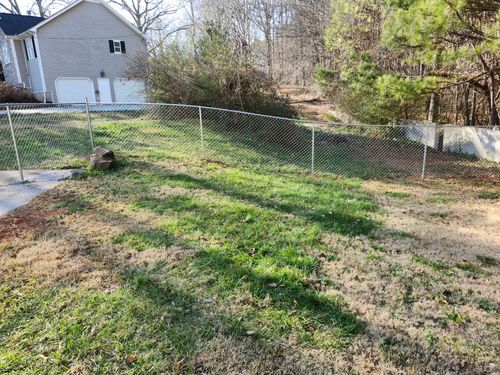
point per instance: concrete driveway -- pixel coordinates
(14, 194)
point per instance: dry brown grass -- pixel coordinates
(76, 249)
(406, 303)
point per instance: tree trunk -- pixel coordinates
(494, 119)
(432, 115)
(465, 107)
(40, 8)
(457, 105)
(269, 45)
(474, 109)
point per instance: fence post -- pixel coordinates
(313, 143)
(424, 162)
(14, 142)
(202, 139)
(89, 124)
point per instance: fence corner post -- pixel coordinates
(313, 144)
(202, 138)
(424, 161)
(14, 142)
(89, 125)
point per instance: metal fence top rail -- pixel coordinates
(25, 106)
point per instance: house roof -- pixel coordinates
(13, 24)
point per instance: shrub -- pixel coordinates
(214, 74)
(11, 94)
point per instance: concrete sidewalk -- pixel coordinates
(14, 194)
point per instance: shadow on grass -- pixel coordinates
(343, 213)
(241, 246)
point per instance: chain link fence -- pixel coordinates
(49, 136)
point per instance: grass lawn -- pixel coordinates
(170, 264)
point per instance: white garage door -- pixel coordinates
(74, 90)
(129, 90)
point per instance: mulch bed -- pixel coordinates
(34, 216)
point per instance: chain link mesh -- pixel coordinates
(57, 137)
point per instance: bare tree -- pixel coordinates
(264, 19)
(44, 8)
(10, 6)
(148, 15)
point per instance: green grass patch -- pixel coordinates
(472, 270)
(455, 316)
(374, 257)
(56, 330)
(248, 232)
(489, 194)
(72, 206)
(486, 260)
(435, 265)
(143, 240)
(440, 200)
(398, 194)
(487, 305)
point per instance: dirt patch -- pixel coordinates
(308, 102)
(33, 217)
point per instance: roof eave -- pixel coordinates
(24, 35)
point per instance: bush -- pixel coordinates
(215, 74)
(11, 94)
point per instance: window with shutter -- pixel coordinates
(117, 46)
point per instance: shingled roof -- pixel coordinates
(13, 24)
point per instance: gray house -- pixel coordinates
(80, 52)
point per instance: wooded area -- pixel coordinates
(380, 61)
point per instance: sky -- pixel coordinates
(27, 4)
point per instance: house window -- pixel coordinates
(29, 44)
(6, 54)
(117, 46)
